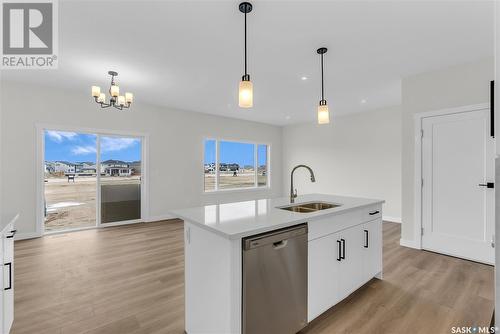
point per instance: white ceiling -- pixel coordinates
(189, 54)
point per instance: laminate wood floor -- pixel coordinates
(129, 280)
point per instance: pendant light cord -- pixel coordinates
(322, 81)
(246, 44)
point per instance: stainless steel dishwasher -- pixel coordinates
(275, 282)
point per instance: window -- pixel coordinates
(262, 165)
(210, 174)
(235, 165)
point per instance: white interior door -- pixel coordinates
(457, 207)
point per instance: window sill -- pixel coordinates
(236, 190)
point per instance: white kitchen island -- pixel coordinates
(344, 252)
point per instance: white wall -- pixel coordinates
(175, 147)
(454, 86)
(355, 155)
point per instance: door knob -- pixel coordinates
(490, 185)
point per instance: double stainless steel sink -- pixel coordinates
(309, 207)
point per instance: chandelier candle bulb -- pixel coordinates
(129, 97)
(246, 94)
(115, 91)
(101, 98)
(96, 90)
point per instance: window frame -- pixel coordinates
(256, 165)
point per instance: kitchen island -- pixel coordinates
(343, 252)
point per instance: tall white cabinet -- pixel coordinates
(497, 164)
(7, 277)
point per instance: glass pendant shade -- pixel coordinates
(115, 91)
(121, 100)
(246, 94)
(129, 97)
(96, 90)
(323, 114)
(101, 98)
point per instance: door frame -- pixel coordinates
(40, 129)
(417, 185)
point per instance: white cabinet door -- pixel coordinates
(372, 249)
(323, 274)
(8, 279)
(351, 264)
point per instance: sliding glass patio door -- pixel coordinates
(120, 179)
(90, 179)
(70, 180)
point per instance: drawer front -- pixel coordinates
(371, 213)
(324, 226)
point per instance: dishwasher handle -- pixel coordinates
(280, 244)
(277, 239)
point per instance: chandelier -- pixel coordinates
(116, 100)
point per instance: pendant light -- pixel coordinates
(323, 114)
(246, 86)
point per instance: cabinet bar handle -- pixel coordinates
(12, 235)
(343, 249)
(10, 275)
(339, 251)
(373, 212)
(366, 238)
(492, 108)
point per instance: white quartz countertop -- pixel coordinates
(242, 219)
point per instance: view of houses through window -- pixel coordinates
(72, 179)
(70, 182)
(234, 165)
(121, 180)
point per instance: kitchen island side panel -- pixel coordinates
(209, 282)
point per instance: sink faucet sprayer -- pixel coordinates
(293, 193)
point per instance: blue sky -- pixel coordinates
(232, 152)
(78, 147)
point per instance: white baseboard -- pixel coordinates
(392, 219)
(160, 217)
(26, 235)
(409, 243)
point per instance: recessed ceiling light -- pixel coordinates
(304, 78)
(287, 117)
(363, 101)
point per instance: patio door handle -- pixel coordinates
(489, 185)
